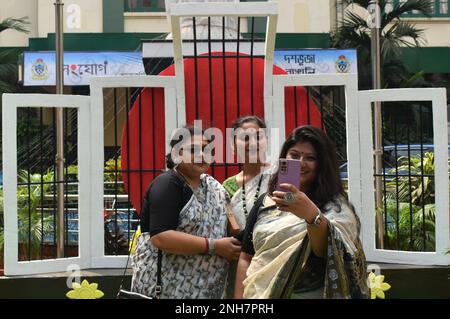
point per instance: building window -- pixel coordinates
(443, 7)
(439, 9)
(144, 5)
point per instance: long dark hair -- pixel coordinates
(177, 137)
(328, 183)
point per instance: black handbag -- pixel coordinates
(126, 294)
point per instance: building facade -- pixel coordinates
(141, 16)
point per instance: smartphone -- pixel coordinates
(289, 173)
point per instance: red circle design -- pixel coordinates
(143, 137)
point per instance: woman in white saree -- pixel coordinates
(250, 146)
(243, 189)
(303, 243)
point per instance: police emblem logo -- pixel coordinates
(342, 64)
(39, 70)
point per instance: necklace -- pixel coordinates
(244, 200)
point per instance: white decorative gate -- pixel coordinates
(439, 107)
(11, 102)
(91, 142)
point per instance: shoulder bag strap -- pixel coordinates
(158, 288)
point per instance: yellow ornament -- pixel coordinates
(134, 240)
(85, 291)
(377, 286)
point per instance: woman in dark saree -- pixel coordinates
(304, 242)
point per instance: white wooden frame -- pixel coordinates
(174, 117)
(11, 102)
(235, 9)
(91, 142)
(276, 114)
(440, 132)
(164, 49)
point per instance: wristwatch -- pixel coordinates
(211, 246)
(317, 220)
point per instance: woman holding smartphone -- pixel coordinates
(301, 241)
(184, 217)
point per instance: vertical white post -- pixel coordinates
(97, 249)
(271, 32)
(352, 127)
(441, 166)
(179, 68)
(171, 115)
(97, 158)
(11, 102)
(440, 131)
(9, 145)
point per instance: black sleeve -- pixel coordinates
(163, 201)
(247, 243)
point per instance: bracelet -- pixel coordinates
(317, 220)
(211, 246)
(207, 245)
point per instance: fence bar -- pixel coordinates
(65, 181)
(251, 67)
(128, 107)
(397, 226)
(115, 167)
(383, 142)
(140, 151)
(41, 152)
(153, 133)
(29, 180)
(422, 176)
(238, 92)
(411, 239)
(195, 68)
(225, 100)
(54, 176)
(211, 108)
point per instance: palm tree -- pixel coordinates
(8, 57)
(394, 34)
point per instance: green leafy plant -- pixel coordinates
(410, 205)
(8, 57)
(419, 190)
(33, 223)
(410, 227)
(113, 174)
(111, 170)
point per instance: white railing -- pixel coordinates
(91, 150)
(11, 102)
(439, 107)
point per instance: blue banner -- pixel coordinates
(39, 67)
(322, 61)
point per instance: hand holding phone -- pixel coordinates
(288, 173)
